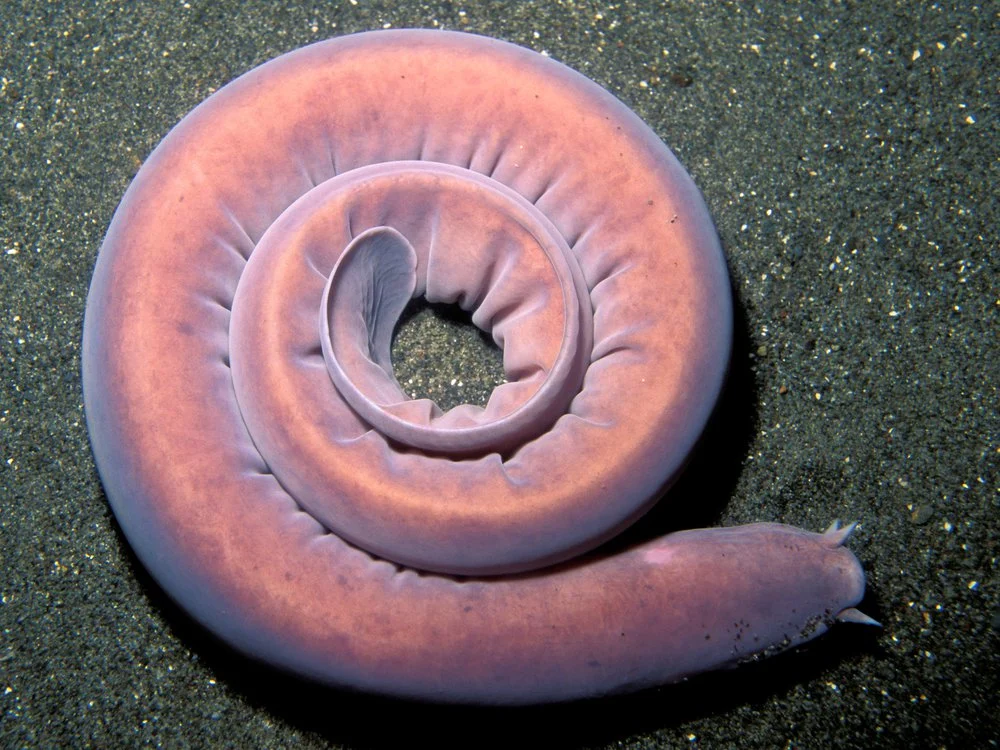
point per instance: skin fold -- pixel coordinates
(267, 467)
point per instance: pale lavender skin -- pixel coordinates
(239, 411)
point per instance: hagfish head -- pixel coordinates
(740, 593)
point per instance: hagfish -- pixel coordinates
(273, 476)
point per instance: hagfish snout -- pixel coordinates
(758, 589)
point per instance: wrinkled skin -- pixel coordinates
(269, 471)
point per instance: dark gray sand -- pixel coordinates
(848, 153)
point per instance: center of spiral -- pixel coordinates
(476, 244)
(440, 354)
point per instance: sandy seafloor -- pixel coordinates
(848, 154)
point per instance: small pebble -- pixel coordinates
(921, 514)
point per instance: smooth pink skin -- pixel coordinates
(233, 444)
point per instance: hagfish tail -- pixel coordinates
(270, 472)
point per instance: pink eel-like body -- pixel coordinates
(272, 475)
